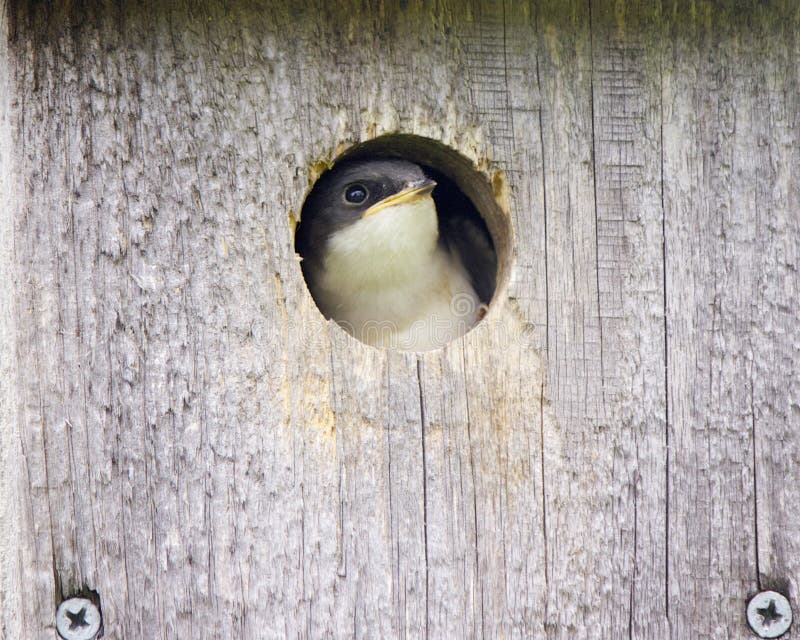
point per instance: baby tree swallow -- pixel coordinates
(376, 263)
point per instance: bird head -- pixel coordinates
(367, 221)
(354, 191)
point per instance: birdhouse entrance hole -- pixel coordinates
(347, 253)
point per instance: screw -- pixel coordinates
(769, 614)
(78, 619)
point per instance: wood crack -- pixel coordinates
(544, 207)
(596, 212)
(666, 348)
(544, 495)
(755, 481)
(424, 488)
(474, 490)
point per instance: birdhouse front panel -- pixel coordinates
(204, 436)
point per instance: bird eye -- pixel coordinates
(356, 193)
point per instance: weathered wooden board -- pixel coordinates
(12, 485)
(732, 229)
(614, 452)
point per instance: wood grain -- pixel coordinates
(12, 482)
(614, 452)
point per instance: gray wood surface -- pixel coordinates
(12, 485)
(613, 453)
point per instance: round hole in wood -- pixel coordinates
(474, 235)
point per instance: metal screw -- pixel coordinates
(78, 619)
(769, 614)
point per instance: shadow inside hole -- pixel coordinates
(464, 231)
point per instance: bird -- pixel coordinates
(375, 261)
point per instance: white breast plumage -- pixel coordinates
(388, 282)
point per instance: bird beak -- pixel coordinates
(413, 191)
